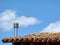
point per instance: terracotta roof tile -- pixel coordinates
(37, 37)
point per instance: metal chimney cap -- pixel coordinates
(16, 25)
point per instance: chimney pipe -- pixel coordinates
(16, 25)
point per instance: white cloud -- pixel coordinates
(8, 17)
(52, 27)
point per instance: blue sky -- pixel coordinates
(46, 12)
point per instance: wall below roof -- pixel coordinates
(36, 43)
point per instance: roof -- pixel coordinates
(37, 37)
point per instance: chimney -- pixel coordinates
(16, 26)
